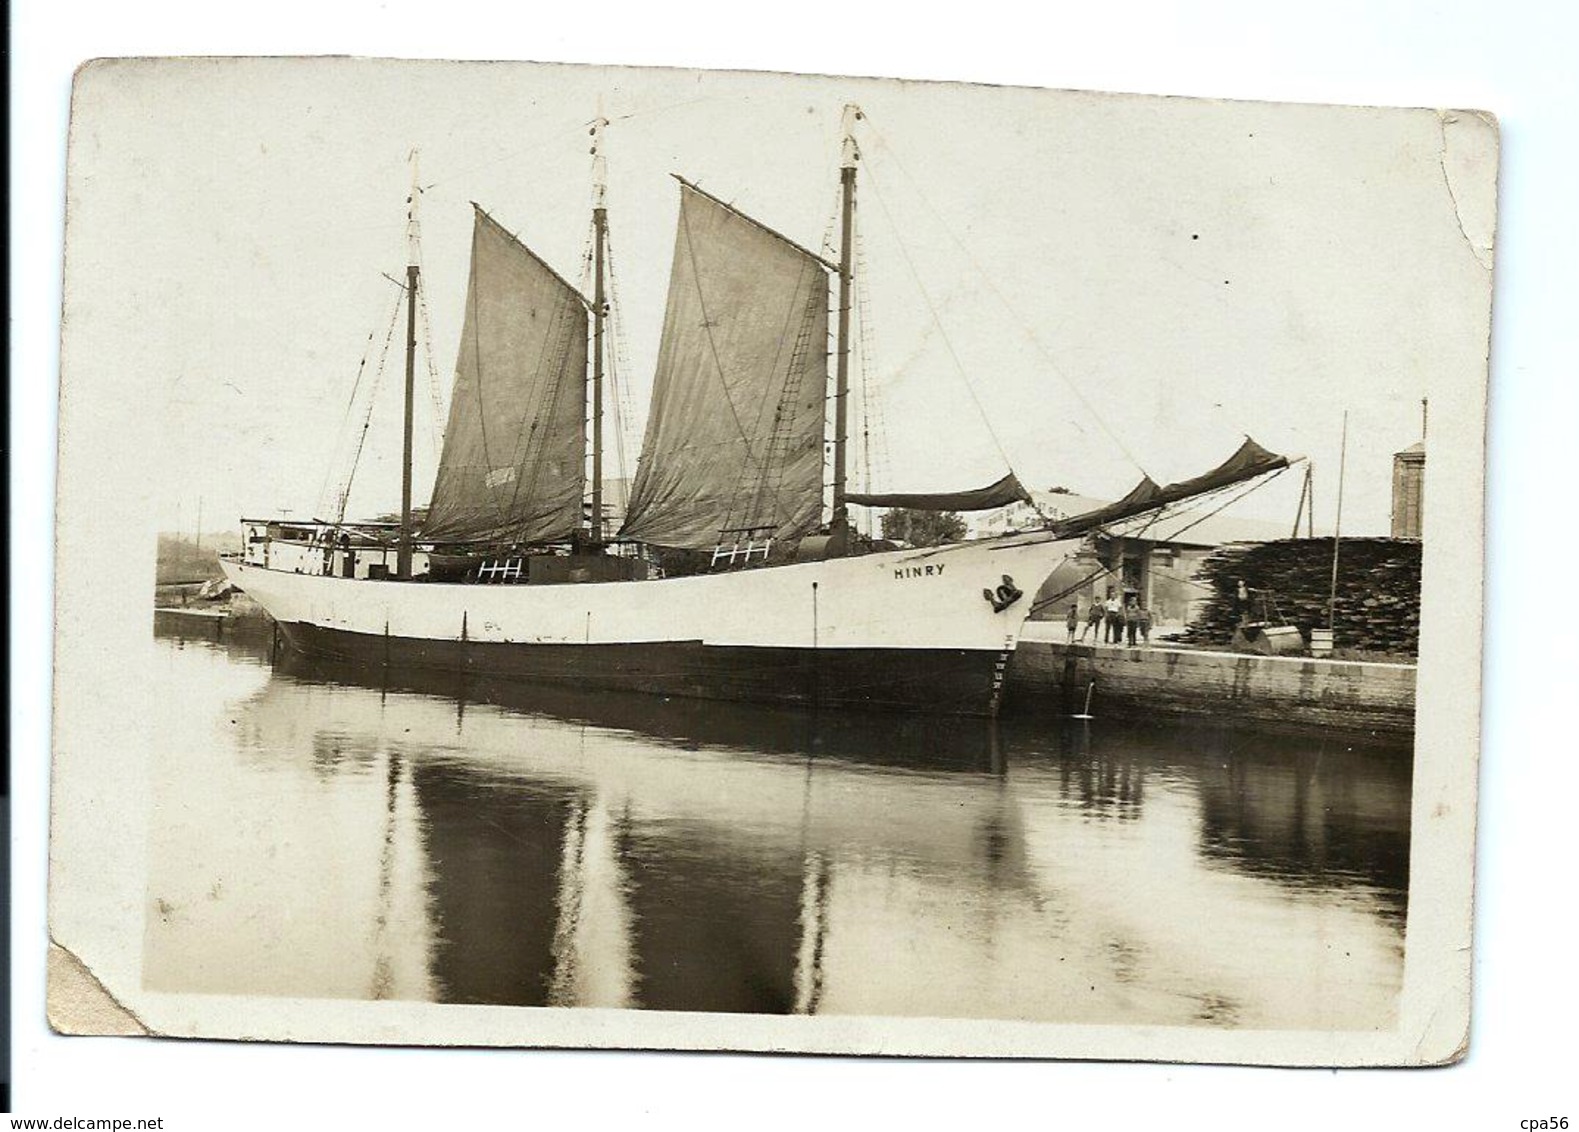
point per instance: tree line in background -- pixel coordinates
(923, 528)
(181, 558)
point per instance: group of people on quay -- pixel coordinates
(1115, 621)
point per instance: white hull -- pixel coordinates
(917, 610)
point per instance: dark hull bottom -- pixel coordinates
(944, 681)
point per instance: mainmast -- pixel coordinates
(600, 227)
(841, 391)
(403, 552)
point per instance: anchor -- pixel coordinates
(1004, 596)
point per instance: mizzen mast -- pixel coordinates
(403, 551)
(600, 311)
(841, 389)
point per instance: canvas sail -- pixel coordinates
(734, 437)
(513, 469)
(1006, 491)
(1249, 461)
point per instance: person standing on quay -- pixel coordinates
(1131, 621)
(1072, 621)
(1093, 621)
(1115, 621)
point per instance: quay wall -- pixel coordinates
(1149, 681)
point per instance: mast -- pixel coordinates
(600, 228)
(841, 392)
(1310, 511)
(1299, 511)
(1337, 526)
(403, 552)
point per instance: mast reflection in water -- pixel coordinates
(319, 834)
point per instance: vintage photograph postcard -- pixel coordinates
(606, 557)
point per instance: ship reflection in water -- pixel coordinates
(319, 834)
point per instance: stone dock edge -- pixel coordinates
(1150, 681)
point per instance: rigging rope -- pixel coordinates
(658, 109)
(938, 322)
(372, 400)
(787, 411)
(588, 250)
(435, 389)
(1256, 486)
(618, 366)
(524, 447)
(866, 413)
(585, 283)
(325, 505)
(531, 147)
(765, 470)
(872, 417)
(475, 319)
(992, 286)
(828, 248)
(1054, 599)
(707, 326)
(1173, 536)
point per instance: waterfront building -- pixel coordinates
(1152, 558)
(1409, 491)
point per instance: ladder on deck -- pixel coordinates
(748, 543)
(502, 570)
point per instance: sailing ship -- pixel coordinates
(735, 573)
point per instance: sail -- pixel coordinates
(513, 469)
(1001, 494)
(735, 433)
(1249, 461)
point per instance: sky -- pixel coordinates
(1082, 287)
(1508, 57)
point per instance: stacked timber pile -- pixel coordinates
(1378, 605)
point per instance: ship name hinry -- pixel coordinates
(918, 571)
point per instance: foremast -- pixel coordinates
(413, 240)
(600, 312)
(591, 379)
(850, 155)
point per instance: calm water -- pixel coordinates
(321, 834)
